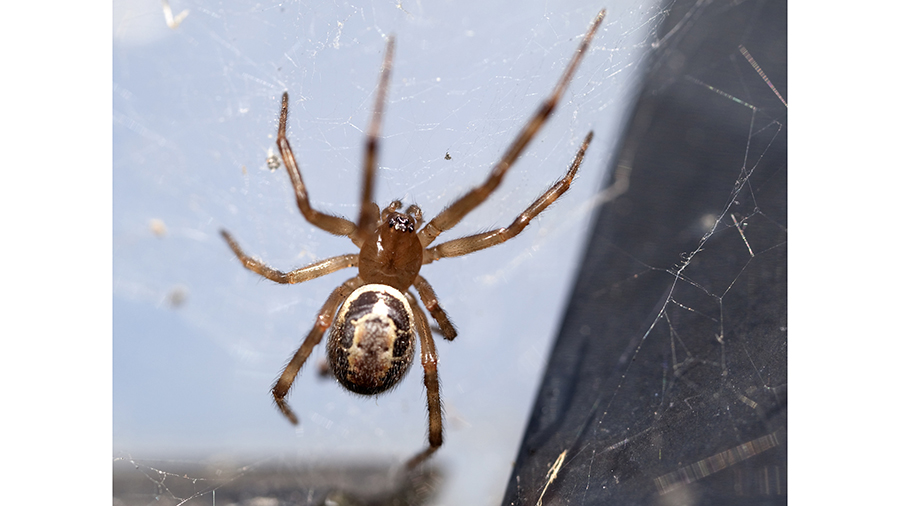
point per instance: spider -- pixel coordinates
(373, 316)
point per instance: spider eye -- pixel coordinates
(401, 223)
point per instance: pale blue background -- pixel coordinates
(195, 112)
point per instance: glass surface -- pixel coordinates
(199, 340)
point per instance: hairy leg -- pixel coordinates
(300, 275)
(472, 243)
(323, 321)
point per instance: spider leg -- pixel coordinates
(472, 243)
(449, 217)
(323, 321)
(426, 293)
(327, 222)
(300, 275)
(368, 212)
(432, 387)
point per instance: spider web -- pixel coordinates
(265, 482)
(688, 405)
(198, 340)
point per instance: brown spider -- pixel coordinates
(373, 316)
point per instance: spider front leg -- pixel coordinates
(472, 243)
(327, 222)
(449, 217)
(368, 211)
(300, 275)
(432, 387)
(323, 321)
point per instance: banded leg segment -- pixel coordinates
(300, 275)
(429, 298)
(323, 321)
(472, 243)
(432, 387)
(327, 222)
(368, 211)
(449, 217)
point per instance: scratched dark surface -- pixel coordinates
(668, 382)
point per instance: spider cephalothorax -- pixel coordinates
(373, 316)
(393, 254)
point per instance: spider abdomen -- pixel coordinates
(371, 344)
